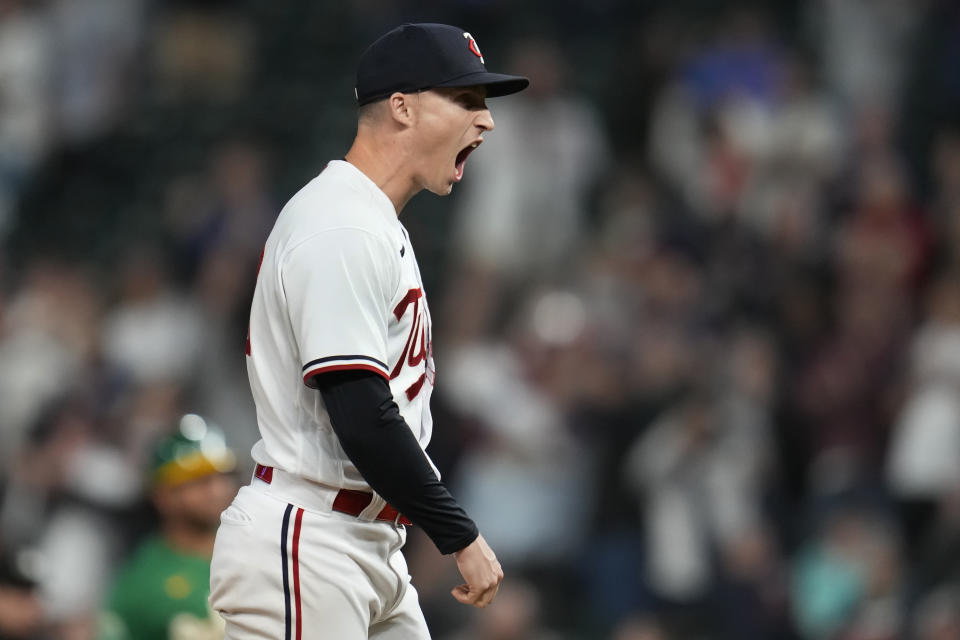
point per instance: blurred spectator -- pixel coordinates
(795, 162)
(226, 213)
(21, 614)
(202, 54)
(753, 587)
(712, 121)
(668, 332)
(863, 44)
(524, 212)
(97, 44)
(697, 471)
(937, 559)
(161, 592)
(58, 512)
(883, 244)
(847, 579)
(620, 255)
(525, 477)
(26, 74)
(644, 60)
(48, 335)
(152, 333)
(846, 391)
(922, 465)
(938, 616)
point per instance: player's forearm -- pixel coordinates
(380, 444)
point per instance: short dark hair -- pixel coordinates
(368, 112)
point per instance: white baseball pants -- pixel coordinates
(282, 571)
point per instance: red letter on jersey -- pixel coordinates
(412, 353)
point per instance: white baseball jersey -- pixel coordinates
(338, 288)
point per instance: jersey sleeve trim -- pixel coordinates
(342, 363)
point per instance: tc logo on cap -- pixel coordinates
(474, 49)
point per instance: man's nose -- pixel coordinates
(485, 120)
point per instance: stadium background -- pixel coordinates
(697, 300)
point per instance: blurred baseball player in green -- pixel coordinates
(161, 592)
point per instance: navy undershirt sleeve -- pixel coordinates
(379, 443)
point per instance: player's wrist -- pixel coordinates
(467, 542)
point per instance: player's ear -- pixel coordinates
(401, 108)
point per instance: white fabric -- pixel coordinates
(925, 448)
(338, 288)
(352, 577)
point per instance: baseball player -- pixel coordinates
(161, 591)
(341, 369)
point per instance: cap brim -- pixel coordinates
(497, 84)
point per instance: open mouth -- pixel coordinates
(461, 160)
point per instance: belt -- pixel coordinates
(347, 501)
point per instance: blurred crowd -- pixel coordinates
(697, 301)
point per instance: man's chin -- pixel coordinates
(444, 191)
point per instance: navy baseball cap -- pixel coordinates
(413, 57)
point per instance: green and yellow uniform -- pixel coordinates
(161, 594)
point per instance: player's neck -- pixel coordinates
(386, 165)
(190, 540)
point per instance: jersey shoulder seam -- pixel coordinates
(301, 241)
(282, 256)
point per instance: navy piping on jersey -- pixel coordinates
(333, 358)
(283, 559)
